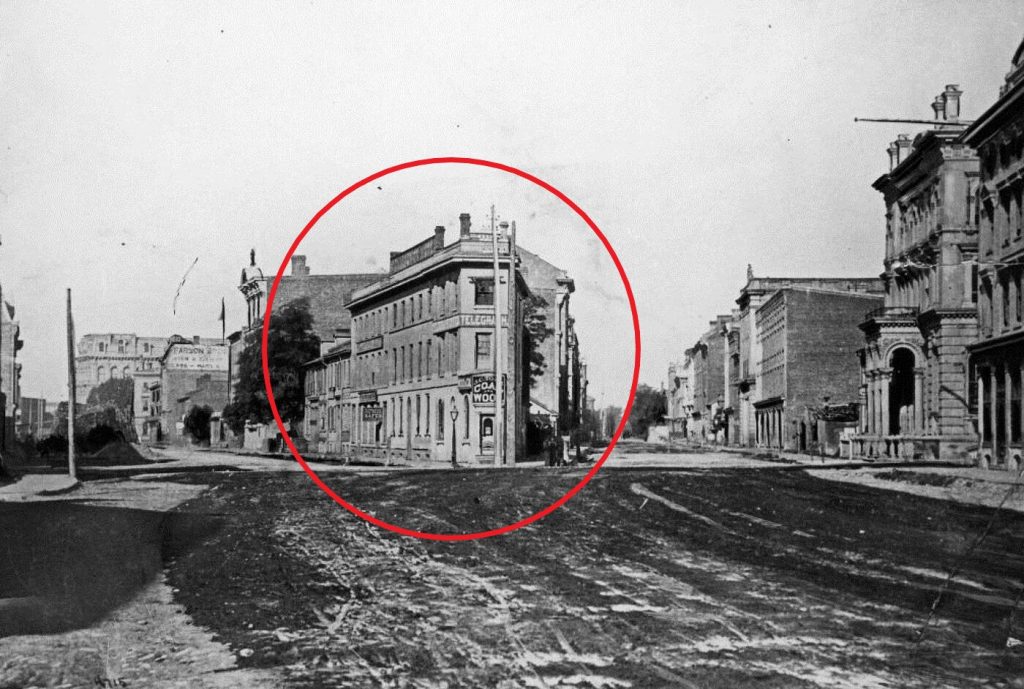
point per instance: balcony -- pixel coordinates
(892, 313)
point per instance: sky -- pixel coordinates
(699, 136)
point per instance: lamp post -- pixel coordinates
(455, 416)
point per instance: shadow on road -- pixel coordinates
(64, 566)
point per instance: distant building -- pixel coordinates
(192, 373)
(808, 341)
(423, 354)
(743, 363)
(997, 356)
(557, 397)
(146, 409)
(914, 400)
(34, 421)
(329, 418)
(10, 372)
(327, 295)
(707, 361)
(679, 397)
(102, 356)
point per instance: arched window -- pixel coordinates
(101, 374)
(127, 372)
(115, 372)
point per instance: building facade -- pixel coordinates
(102, 356)
(679, 397)
(193, 372)
(330, 416)
(423, 363)
(557, 395)
(808, 340)
(743, 363)
(997, 355)
(327, 296)
(707, 361)
(915, 390)
(10, 372)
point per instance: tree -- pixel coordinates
(114, 392)
(648, 410)
(535, 324)
(291, 343)
(197, 423)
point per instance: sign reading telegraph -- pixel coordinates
(483, 390)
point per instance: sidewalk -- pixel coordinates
(33, 485)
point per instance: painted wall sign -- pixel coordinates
(483, 390)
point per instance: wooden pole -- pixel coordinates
(71, 391)
(496, 349)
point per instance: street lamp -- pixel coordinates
(455, 416)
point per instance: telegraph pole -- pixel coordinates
(499, 441)
(71, 391)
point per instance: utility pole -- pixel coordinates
(499, 441)
(71, 391)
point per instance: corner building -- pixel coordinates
(915, 387)
(423, 352)
(997, 355)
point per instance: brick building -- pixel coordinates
(558, 395)
(101, 356)
(327, 295)
(423, 352)
(997, 355)
(707, 361)
(192, 373)
(744, 355)
(808, 340)
(328, 420)
(916, 387)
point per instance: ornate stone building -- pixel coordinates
(915, 386)
(102, 356)
(997, 356)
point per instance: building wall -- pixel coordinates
(809, 341)
(192, 373)
(415, 351)
(101, 356)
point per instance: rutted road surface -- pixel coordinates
(703, 578)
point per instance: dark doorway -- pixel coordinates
(901, 391)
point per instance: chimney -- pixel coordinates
(464, 225)
(939, 106)
(951, 98)
(892, 155)
(439, 237)
(195, 339)
(299, 267)
(903, 145)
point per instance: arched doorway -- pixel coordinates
(901, 391)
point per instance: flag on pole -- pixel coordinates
(223, 319)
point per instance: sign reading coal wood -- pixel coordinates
(483, 390)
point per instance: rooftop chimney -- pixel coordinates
(903, 147)
(892, 155)
(439, 237)
(464, 225)
(951, 98)
(299, 267)
(939, 106)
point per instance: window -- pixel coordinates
(418, 414)
(419, 306)
(428, 358)
(426, 415)
(484, 291)
(394, 316)
(441, 359)
(401, 364)
(483, 350)
(120, 346)
(101, 346)
(440, 419)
